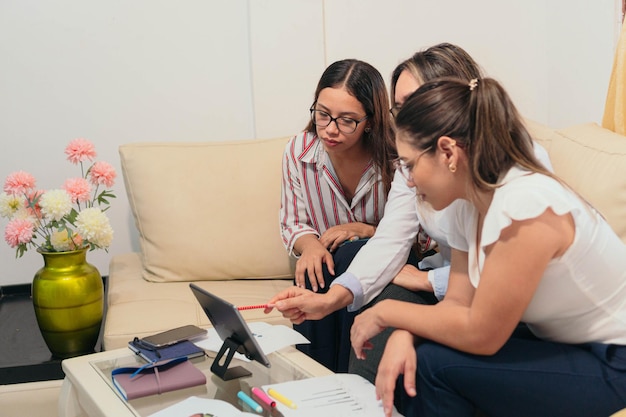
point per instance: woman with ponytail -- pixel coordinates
(525, 249)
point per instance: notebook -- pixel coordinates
(184, 349)
(157, 378)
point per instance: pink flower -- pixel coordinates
(18, 183)
(79, 189)
(102, 173)
(18, 232)
(80, 150)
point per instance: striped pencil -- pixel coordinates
(252, 307)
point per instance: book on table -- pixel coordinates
(185, 349)
(156, 378)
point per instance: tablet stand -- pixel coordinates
(223, 371)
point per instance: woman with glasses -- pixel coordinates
(336, 176)
(386, 267)
(525, 248)
(390, 248)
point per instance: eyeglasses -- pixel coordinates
(406, 169)
(344, 124)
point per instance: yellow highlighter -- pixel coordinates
(279, 397)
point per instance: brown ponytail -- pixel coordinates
(480, 116)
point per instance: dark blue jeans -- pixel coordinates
(330, 336)
(527, 377)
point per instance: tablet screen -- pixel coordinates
(229, 323)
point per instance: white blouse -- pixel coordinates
(582, 295)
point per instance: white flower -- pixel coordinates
(55, 204)
(9, 205)
(61, 241)
(93, 226)
(60, 220)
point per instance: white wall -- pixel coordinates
(200, 70)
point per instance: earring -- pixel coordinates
(452, 168)
(368, 130)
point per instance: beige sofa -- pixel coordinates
(208, 212)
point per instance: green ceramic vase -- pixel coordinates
(68, 297)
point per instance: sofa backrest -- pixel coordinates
(592, 160)
(207, 211)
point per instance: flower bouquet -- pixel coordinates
(60, 220)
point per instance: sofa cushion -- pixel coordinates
(592, 160)
(136, 307)
(207, 211)
(540, 133)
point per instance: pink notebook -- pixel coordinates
(157, 378)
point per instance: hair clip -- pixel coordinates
(473, 83)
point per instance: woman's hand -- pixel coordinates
(312, 256)
(336, 235)
(299, 304)
(367, 325)
(413, 279)
(398, 358)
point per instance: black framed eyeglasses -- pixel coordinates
(406, 169)
(344, 124)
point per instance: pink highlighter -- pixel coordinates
(261, 395)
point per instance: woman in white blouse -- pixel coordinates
(525, 248)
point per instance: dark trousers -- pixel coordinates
(368, 367)
(527, 377)
(330, 336)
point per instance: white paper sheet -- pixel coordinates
(199, 406)
(269, 337)
(338, 395)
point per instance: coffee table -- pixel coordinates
(87, 389)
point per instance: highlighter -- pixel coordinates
(261, 395)
(281, 398)
(249, 402)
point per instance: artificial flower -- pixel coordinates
(79, 189)
(102, 173)
(80, 150)
(9, 205)
(19, 183)
(93, 225)
(18, 232)
(70, 218)
(55, 204)
(62, 241)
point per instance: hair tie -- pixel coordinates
(473, 83)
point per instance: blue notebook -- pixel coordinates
(184, 349)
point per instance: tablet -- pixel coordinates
(234, 332)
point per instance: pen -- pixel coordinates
(281, 398)
(252, 307)
(250, 402)
(261, 395)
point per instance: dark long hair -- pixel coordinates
(366, 84)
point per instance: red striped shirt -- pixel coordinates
(312, 198)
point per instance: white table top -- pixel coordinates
(88, 391)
